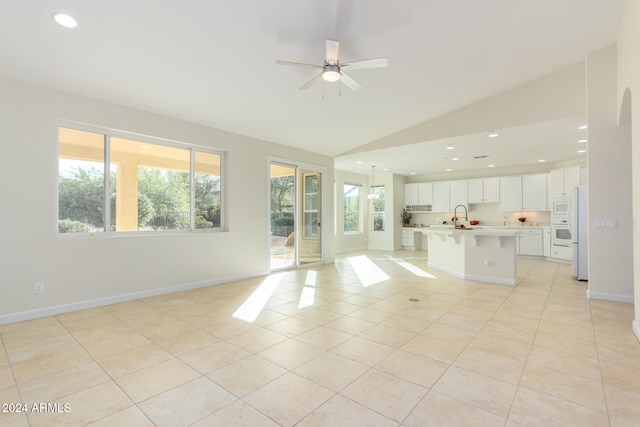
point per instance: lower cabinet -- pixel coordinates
(546, 242)
(531, 242)
(411, 239)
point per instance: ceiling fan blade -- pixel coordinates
(367, 63)
(333, 48)
(309, 82)
(349, 82)
(298, 64)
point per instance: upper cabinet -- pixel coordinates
(483, 190)
(411, 194)
(457, 194)
(534, 192)
(523, 193)
(425, 193)
(441, 196)
(562, 181)
(419, 196)
(511, 193)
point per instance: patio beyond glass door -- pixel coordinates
(282, 184)
(310, 215)
(295, 216)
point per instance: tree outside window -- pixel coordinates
(378, 208)
(352, 202)
(148, 185)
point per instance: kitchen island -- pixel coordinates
(484, 255)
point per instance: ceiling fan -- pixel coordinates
(333, 70)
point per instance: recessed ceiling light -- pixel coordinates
(413, 173)
(359, 162)
(450, 147)
(449, 170)
(493, 134)
(583, 127)
(582, 140)
(65, 20)
(541, 161)
(582, 151)
(386, 169)
(491, 166)
(455, 158)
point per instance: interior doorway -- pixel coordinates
(295, 213)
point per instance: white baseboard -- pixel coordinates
(98, 302)
(510, 282)
(610, 297)
(636, 329)
(380, 248)
(345, 251)
(473, 277)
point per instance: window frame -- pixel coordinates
(380, 191)
(360, 229)
(108, 135)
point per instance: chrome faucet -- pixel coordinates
(455, 215)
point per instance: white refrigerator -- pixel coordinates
(579, 229)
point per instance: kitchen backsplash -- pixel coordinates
(487, 214)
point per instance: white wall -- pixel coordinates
(85, 271)
(628, 88)
(609, 168)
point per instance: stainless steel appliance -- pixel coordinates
(579, 232)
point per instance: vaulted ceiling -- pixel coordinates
(214, 62)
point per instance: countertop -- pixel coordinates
(500, 231)
(477, 227)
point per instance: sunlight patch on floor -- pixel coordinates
(253, 306)
(414, 269)
(308, 295)
(368, 273)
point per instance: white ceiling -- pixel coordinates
(214, 63)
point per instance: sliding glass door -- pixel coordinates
(311, 241)
(282, 184)
(295, 216)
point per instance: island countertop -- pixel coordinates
(471, 231)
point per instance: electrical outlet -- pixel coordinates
(39, 288)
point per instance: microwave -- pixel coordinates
(561, 207)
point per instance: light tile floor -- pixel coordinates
(325, 350)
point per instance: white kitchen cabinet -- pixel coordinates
(457, 193)
(523, 193)
(531, 242)
(483, 190)
(425, 193)
(418, 195)
(511, 193)
(534, 192)
(562, 181)
(441, 196)
(546, 242)
(411, 240)
(411, 194)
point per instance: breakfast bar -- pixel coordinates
(484, 255)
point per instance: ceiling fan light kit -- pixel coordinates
(331, 73)
(332, 69)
